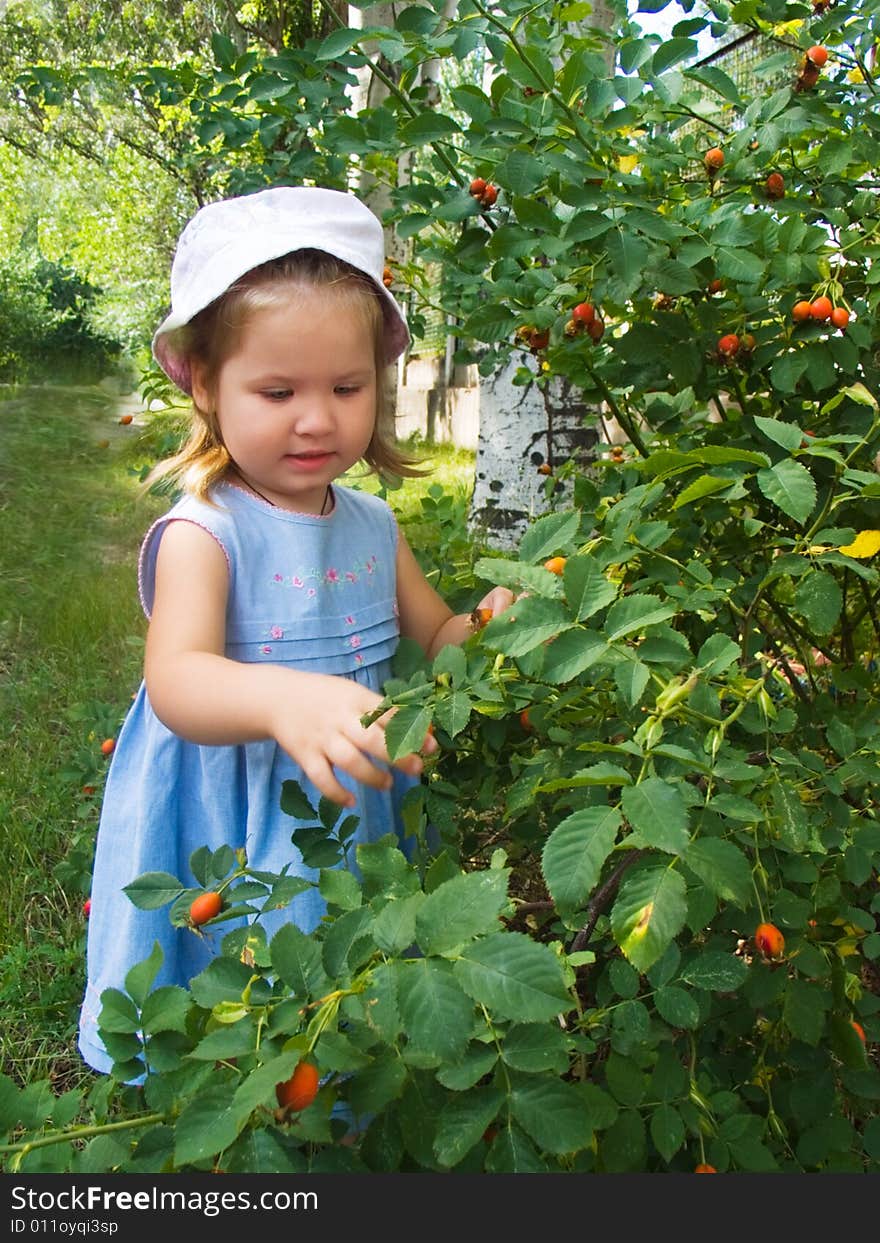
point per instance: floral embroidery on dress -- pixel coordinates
(276, 633)
(355, 640)
(329, 578)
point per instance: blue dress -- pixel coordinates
(306, 592)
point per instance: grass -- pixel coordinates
(71, 640)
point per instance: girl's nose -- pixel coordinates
(313, 415)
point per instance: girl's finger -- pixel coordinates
(345, 755)
(322, 777)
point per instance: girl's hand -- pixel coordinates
(497, 600)
(317, 722)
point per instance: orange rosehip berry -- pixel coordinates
(817, 55)
(839, 317)
(859, 1031)
(728, 345)
(714, 158)
(477, 186)
(769, 940)
(821, 308)
(300, 1089)
(205, 907)
(555, 565)
(703, 1168)
(108, 746)
(584, 313)
(775, 186)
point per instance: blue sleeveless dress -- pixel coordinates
(307, 592)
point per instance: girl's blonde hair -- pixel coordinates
(213, 334)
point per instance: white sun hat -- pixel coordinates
(226, 239)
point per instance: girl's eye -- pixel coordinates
(345, 389)
(277, 394)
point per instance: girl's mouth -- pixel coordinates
(309, 461)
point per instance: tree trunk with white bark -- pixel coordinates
(526, 432)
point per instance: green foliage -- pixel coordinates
(45, 320)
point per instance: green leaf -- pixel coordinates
(717, 80)
(526, 625)
(337, 44)
(677, 1007)
(790, 487)
(553, 1113)
(667, 1131)
(627, 257)
(574, 853)
(334, 1051)
(223, 980)
(206, 1125)
(819, 600)
(295, 802)
(429, 126)
(650, 909)
(587, 590)
(672, 51)
(705, 485)
(394, 928)
(348, 942)
(297, 960)
(476, 1063)
(633, 613)
(452, 712)
(790, 817)
(463, 908)
(739, 267)
(166, 1010)
(803, 1009)
(513, 975)
(717, 654)
(715, 971)
(657, 811)
(571, 654)
(152, 890)
(340, 888)
(407, 730)
(463, 1120)
(787, 370)
(535, 1048)
(785, 434)
(377, 1084)
(511, 1152)
(490, 322)
(225, 1042)
(140, 977)
(631, 678)
(437, 1016)
(550, 535)
(118, 1013)
(723, 867)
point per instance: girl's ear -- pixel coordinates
(199, 384)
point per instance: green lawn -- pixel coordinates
(71, 640)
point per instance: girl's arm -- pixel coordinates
(424, 616)
(203, 696)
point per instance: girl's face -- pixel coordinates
(296, 399)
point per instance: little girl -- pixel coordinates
(275, 597)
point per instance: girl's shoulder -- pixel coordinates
(213, 515)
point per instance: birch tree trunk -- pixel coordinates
(522, 430)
